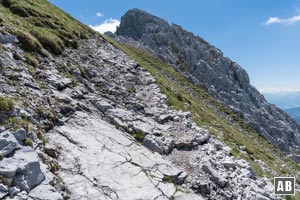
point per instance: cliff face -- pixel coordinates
(203, 64)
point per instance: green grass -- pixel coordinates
(28, 41)
(41, 137)
(17, 123)
(83, 71)
(31, 60)
(28, 142)
(6, 104)
(139, 136)
(40, 111)
(41, 26)
(208, 113)
(54, 167)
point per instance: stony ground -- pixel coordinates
(101, 129)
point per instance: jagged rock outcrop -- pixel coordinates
(204, 64)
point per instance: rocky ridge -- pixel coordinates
(101, 110)
(205, 65)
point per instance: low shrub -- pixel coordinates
(17, 123)
(28, 142)
(6, 104)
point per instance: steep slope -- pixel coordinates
(265, 159)
(54, 141)
(205, 65)
(89, 122)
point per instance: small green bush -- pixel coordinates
(28, 142)
(40, 111)
(31, 71)
(139, 136)
(131, 90)
(41, 136)
(227, 185)
(6, 104)
(17, 123)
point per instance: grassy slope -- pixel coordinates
(40, 26)
(208, 113)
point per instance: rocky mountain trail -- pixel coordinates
(162, 129)
(99, 122)
(203, 64)
(59, 101)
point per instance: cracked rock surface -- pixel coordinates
(100, 128)
(108, 163)
(124, 101)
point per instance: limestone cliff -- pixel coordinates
(205, 65)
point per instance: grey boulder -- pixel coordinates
(217, 178)
(24, 168)
(8, 143)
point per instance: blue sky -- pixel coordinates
(263, 36)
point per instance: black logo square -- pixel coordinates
(284, 185)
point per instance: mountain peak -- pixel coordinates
(205, 65)
(135, 20)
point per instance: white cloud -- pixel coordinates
(108, 25)
(278, 90)
(99, 14)
(286, 21)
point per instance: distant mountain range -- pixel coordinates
(287, 101)
(283, 100)
(294, 112)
